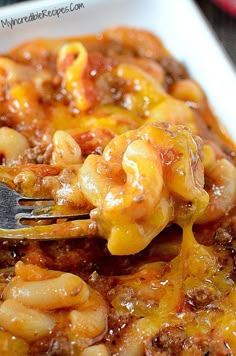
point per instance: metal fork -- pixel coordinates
(16, 208)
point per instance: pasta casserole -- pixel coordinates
(113, 125)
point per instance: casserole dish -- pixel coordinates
(112, 126)
(180, 25)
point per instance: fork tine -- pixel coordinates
(66, 230)
(23, 209)
(10, 223)
(7, 192)
(8, 201)
(32, 216)
(12, 213)
(23, 199)
(51, 212)
(10, 207)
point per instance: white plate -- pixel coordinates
(178, 23)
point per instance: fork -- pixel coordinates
(16, 209)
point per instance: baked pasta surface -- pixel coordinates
(113, 125)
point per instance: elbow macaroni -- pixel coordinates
(29, 306)
(12, 144)
(65, 149)
(77, 57)
(24, 322)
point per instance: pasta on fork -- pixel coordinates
(113, 125)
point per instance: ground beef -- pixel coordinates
(77, 256)
(39, 154)
(225, 234)
(233, 272)
(169, 341)
(225, 239)
(222, 232)
(229, 223)
(117, 324)
(222, 237)
(5, 120)
(93, 141)
(208, 345)
(10, 252)
(172, 340)
(173, 69)
(200, 297)
(57, 344)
